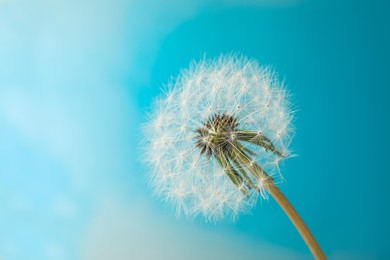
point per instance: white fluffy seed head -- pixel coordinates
(234, 85)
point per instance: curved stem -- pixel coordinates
(296, 220)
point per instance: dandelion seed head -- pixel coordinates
(203, 114)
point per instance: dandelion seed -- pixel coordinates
(229, 128)
(218, 104)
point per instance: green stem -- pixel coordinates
(258, 139)
(231, 172)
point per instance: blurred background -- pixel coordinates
(77, 78)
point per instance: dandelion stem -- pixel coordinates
(296, 220)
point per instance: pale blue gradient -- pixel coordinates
(78, 77)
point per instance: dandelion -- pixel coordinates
(216, 138)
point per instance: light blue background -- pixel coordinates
(76, 79)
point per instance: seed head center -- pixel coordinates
(216, 134)
(221, 138)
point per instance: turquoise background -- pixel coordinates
(76, 80)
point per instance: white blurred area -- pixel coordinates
(69, 182)
(135, 231)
